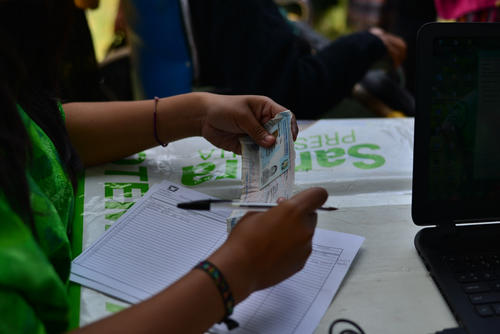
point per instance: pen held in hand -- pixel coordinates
(210, 204)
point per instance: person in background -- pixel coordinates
(44, 146)
(402, 18)
(249, 47)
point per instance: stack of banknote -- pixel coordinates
(267, 173)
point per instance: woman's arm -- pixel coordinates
(106, 131)
(262, 250)
(191, 305)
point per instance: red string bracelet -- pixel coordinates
(155, 131)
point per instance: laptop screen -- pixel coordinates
(456, 175)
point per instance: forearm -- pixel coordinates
(261, 251)
(191, 305)
(106, 131)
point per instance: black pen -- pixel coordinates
(209, 204)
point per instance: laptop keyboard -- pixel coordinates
(479, 276)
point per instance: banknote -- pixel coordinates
(275, 160)
(267, 173)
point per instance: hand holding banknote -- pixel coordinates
(266, 247)
(267, 173)
(230, 117)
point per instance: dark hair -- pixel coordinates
(31, 32)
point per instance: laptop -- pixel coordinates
(456, 172)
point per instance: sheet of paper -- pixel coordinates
(154, 244)
(297, 304)
(151, 245)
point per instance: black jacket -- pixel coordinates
(248, 47)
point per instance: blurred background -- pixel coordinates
(318, 21)
(328, 17)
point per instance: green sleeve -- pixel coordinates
(17, 316)
(33, 298)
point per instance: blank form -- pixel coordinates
(155, 243)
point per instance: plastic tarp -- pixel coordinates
(361, 162)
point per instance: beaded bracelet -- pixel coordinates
(224, 290)
(155, 131)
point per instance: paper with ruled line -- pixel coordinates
(154, 244)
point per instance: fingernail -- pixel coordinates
(269, 138)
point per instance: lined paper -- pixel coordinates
(155, 243)
(297, 304)
(152, 245)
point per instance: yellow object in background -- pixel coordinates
(101, 24)
(395, 114)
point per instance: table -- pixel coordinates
(388, 289)
(365, 165)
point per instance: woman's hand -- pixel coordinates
(229, 117)
(127, 126)
(265, 248)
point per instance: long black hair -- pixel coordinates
(31, 35)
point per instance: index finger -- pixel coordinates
(310, 199)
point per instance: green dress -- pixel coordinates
(34, 272)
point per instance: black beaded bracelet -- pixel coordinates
(224, 290)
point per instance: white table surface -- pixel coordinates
(387, 290)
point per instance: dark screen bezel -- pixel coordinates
(441, 212)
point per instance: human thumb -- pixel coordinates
(258, 133)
